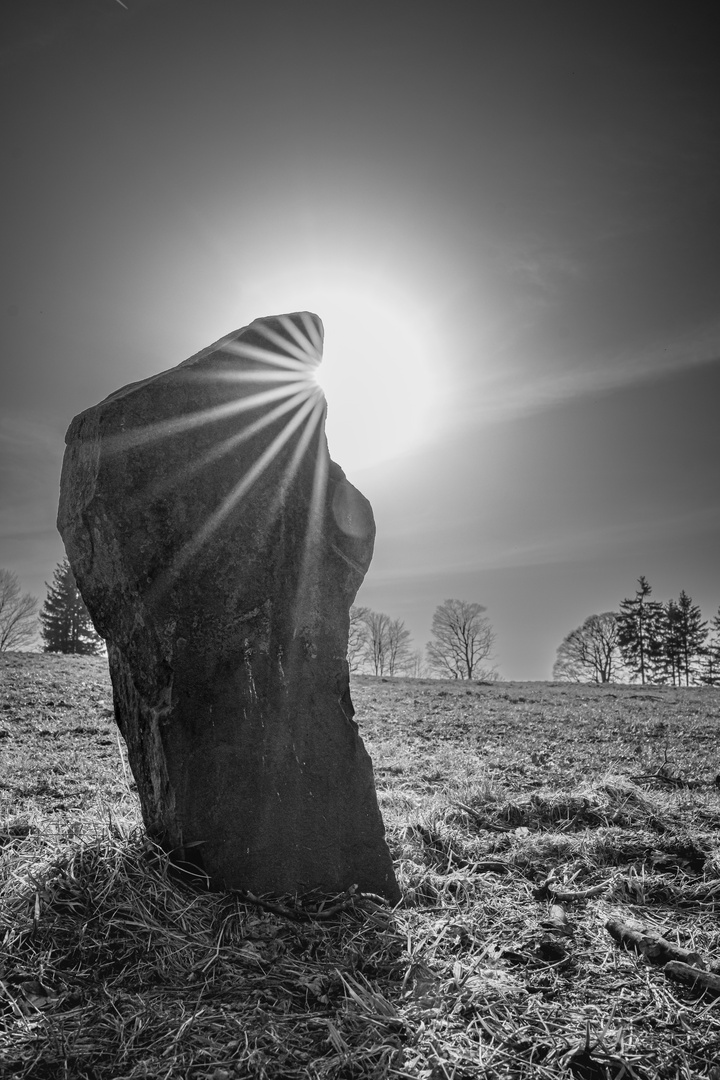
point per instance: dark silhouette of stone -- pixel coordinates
(218, 550)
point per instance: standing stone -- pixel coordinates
(218, 549)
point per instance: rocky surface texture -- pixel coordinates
(218, 550)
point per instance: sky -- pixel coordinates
(505, 212)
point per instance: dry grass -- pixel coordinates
(521, 818)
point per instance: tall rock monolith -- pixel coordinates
(218, 549)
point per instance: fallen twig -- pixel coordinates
(661, 777)
(689, 973)
(653, 946)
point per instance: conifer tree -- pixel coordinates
(670, 663)
(66, 623)
(710, 673)
(684, 636)
(691, 632)
(640, 639)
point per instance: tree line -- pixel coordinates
(461, 645)
(460, 648)
(646, 641)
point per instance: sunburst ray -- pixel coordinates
(192, 546)
(166, 428)
(311, 342)
(302, 351)
(248, 351)
(220, 449)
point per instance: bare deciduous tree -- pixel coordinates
(398, 646)
(377, 642)
(415, 665)
(18, 622)
(591, 653)
(377, 623)
(357, 636)
(463, 640)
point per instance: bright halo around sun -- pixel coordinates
(378, 381)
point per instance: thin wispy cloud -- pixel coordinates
(566, 545)
(504, 397)
(542, 265)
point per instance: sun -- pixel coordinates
(378, 380)
(380, 369)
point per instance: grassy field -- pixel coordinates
(527, 822)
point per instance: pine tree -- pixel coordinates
(710, 673)
(691, 635)
(671, 656)
(639, 632)
(684, 636)
(66, 623)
